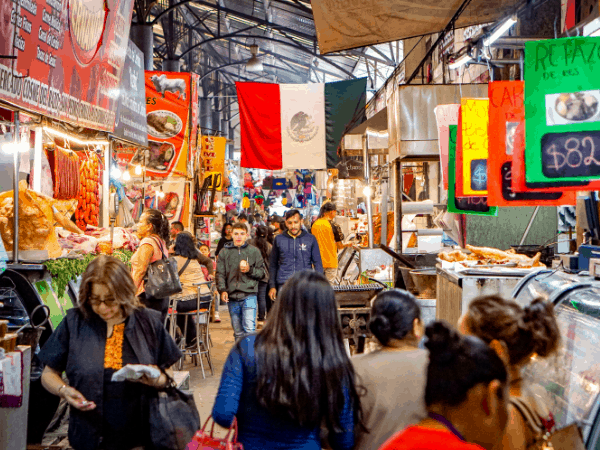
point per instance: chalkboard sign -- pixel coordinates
(463, 205)
(574, 154)
(510, 196)
(479, 175)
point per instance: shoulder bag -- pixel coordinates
(174, 418)
(162, 279)
(567, 438)
(204, 441)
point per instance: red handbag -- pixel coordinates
(204, 441)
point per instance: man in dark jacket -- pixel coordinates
(239, 269)
(293, 251)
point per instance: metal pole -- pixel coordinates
(398, 204)
(16, 191)
(368, 182)
(535, 211)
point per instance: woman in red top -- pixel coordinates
(466, 396)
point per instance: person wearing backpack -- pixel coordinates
(154, 231)
(239, 269)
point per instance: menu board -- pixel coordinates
(474, 127)
(506, 114)
(69, 57)
(466, 205)
(562, 109)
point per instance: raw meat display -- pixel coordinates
(65, 165)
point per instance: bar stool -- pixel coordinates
(200, 319)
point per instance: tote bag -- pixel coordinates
(162, 279)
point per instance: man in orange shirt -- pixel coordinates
(323, 232)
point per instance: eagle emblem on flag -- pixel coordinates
(302, 128)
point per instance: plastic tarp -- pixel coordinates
(346, 24)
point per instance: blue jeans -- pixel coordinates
(243, 316)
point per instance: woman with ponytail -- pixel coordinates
(393, 376)
(517, 334)
(466, 396)
(153, 230)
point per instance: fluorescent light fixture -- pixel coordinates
(592, 28)
(368, 191)
(460, 62)
(15, 147)
(500, 31)
(126, 176)
(138, 170)
(254, 64)
(72, 138)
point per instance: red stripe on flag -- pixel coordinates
(260, 125)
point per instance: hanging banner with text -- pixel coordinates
(213, 160)
(475, 120)
(562, 110)
(167, 114)
(507, 113)
(477, 206)
(130, 122)
(69, 57)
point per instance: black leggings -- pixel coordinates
(158, 304)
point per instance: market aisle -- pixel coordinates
(205, 390)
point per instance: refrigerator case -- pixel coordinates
(569, 382)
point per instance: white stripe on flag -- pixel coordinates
(303, 133)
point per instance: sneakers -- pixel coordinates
(216, 318)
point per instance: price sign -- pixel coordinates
(465, 205)
(474, 127)
(562, 110)
(506, 128)
(215, 179)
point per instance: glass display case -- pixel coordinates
(569, 382)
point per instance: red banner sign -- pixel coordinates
(69, 57)
(507, 115)
(168, 115)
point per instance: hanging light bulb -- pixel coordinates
(116, 173)
(138, 170)
(160, 194)
(254, 64)
(368, 191)
(19, 147)
(126, 176)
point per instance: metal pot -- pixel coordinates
(30, 334)
(425, 281)
(408, 281)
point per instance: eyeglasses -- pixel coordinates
(109, 302)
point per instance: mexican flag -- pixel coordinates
(296, 126)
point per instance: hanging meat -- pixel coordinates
(65, 171)
(88, 208)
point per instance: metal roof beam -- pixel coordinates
(240, 15)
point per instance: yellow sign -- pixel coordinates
(213, 158)
(475, 121)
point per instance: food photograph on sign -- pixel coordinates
(164, 124)
(576, 107)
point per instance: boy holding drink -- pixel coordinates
(239, 269)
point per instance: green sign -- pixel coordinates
(476, 206)
(562, 110)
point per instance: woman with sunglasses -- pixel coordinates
(108, 330)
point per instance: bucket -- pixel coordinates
(428, 308)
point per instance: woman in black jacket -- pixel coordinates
(261, 242)
(109, 330)
(225, 237)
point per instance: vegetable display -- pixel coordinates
(64, 270)
(88, 207)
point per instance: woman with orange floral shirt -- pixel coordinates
(108, 330)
